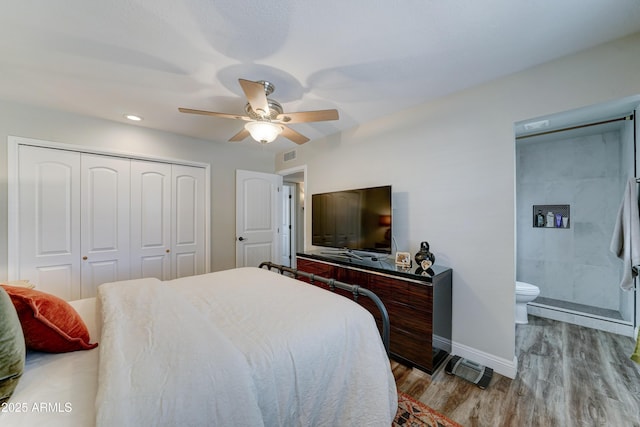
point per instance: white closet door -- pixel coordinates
(49, 201)
(104, 229)
(83, 219)
(188, 221)
(150, 220)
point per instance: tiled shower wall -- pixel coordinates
(588, 173)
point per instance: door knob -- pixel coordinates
(168, 250)
(84, 258)
(241, 238)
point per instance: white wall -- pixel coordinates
(451, 163)
(50, 125)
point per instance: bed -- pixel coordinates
(238, 347)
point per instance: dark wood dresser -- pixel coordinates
(419, 306)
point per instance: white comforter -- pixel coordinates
(243, 347)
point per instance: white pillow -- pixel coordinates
(20, 283)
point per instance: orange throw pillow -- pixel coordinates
(49, 323)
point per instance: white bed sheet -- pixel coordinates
(162, 364)
(322, 364)
(58, 389)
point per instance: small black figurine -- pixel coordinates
(424, 258)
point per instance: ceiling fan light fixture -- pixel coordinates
(265, 117)
(263, 132)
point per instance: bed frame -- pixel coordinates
(354, 289)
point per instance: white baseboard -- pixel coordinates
(505, 367)
(442, 343)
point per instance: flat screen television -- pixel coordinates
(358, 219)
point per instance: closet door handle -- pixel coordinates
(84, 258)
(241, 238)
(168, 250)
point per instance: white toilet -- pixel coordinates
(525, 293)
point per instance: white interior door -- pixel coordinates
(105, 190)
(188, 224)
(258, 208)
(150, 220)
(48, 220)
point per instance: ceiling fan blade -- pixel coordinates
(256, 96)
(239, 136)
(294, 136)
(214, 114)
(308, 116)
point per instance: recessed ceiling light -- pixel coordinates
(132, 117)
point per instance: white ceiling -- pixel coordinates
(366, 58)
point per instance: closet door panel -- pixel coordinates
(188, 190)
(96, 273)
(61, 280)
(150, 219)
(186, 264)
(153, 266)
(105, 221)
(49, 200)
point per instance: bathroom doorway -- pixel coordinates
(575, 165)
(294, 186)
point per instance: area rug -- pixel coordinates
(412, 413)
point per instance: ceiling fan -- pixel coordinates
(265, 117)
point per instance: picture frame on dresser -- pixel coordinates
(403, 259)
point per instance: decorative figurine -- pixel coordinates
(424, 258)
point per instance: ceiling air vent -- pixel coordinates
(290, 155)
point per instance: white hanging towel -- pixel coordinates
(625, 242)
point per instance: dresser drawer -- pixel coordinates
(413, 349)
(407, 318)
(417, 296)
(319, 268)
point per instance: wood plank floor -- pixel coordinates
(568, 375)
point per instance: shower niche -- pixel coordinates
(551, 216)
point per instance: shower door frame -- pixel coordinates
(624, 327)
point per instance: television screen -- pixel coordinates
(357, 219)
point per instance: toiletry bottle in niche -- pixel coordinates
(550, 219)
(539, 219)
(558, 220)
